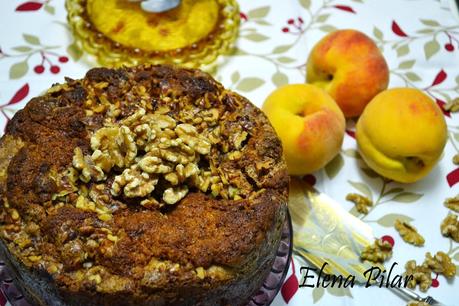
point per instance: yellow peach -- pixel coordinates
(401, 134)
(309, 123)
(350, 67)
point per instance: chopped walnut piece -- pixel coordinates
(117, 143)
(134, 183)
(190, 136)
(421, 275)
(440, 263)
(450, 227)
(95, 278)
(144, 134)
(239, 139)
(200, 272)
(379, 251)
(409, 233)
(361, 203)
(87, 167)
(452, 106)
(453, 203)
(173, 195)
(150, 203)
(153, 164)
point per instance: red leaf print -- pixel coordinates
(350, 133)
(453, 177)
(344, 8)
(441, 76)
(397, 30)
(290, 286)
(20, 94)
(29, 6)
(243, 16)
(441, 104)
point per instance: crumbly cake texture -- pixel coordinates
(149, 185)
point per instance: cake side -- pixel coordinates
(100, 207)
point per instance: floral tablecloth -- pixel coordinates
(420, 40)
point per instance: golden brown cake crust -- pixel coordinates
(199, 250)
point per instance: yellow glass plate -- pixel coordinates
(119, 32)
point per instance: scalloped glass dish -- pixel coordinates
(119, 33)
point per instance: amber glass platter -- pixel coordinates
(119, 32)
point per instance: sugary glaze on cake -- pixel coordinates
(126, 23)
(120, 33)
(150, 185)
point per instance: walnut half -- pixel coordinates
(409, 233)
(379, 251)
(440, 263)
(450, 227)
(361, 203)
(421, 275)
(453, 203)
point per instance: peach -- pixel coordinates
(350, 67)
(309, 123)
(401, 134)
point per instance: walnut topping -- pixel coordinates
(453, 203)
(152, 149)
(450, 227)
(379, 251)
(361, 203)
(409, 233)
(421, 275)
(440, 263)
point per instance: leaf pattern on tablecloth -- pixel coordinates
(291, 285)
(387, 192)
(19, 96)
(32, 6)
(41, 56)
(317, 294)
(389, 219)
(334, 166)
(296, 26)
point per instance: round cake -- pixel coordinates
(120, 32)
(150, 185)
